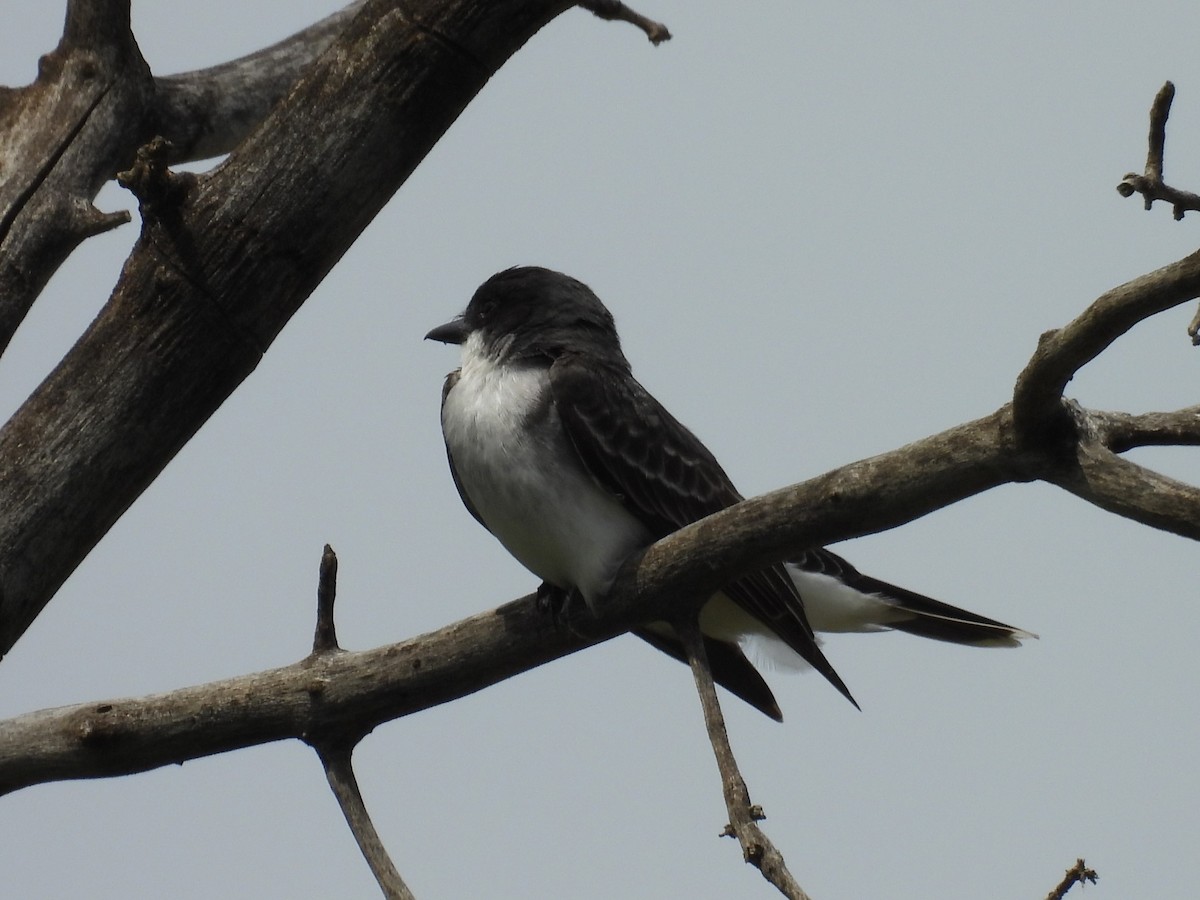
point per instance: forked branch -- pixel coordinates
(1150, 183)
(335, 747)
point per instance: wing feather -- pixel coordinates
(665, 476)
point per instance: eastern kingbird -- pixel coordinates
(572, 465)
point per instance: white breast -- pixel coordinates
(522, 476)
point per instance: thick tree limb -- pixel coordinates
(210, 111)
(219, 272)
(351, 693)
(1039, 413)
(93, 103)
(1135, 492)
(61, 138)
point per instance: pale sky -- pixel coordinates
(825, 231)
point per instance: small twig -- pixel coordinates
(1150, 184)
(340, 773)
(615, 11)
(1077, 873)
(757, 848)
(1160, 110)
(325, 636)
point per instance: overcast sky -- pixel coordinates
(825, 230)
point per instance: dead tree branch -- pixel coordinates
(340, 774)
(1039, 410)
(757, 848)
(208, 112)
(336, 749)
(1150, 183)
(352, 692)
(61, 138)
(1124, 431)
(93, 104)
(325, 635)
(1077, 874)
(211, 283)
(615, 11)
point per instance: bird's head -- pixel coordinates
(530, 311)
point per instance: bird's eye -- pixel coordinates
(482, 312)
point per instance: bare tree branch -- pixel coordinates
(614, 10)
(209, 111)
(1150, 184)
(1123, 431)
(94, 102)
(336, 749)
(340, 773)
(1038, 410)
(61, 138)
(351, 693)
(1127, 489)
(757, 848)
(1077, 874)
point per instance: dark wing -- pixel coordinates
(447, 387)
(922, 615)
(636, 449)
(665, 476)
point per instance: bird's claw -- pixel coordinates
(558, 603)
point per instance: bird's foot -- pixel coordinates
(558, 603)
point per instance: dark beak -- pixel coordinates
(453, 332)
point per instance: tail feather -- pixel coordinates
(926, 617)
(890, 606)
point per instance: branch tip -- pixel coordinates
(1077, 874)
(615, 11)
(325, 636)
(90, 221)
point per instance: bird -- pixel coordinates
(559, 452)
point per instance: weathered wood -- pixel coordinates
(222, 264)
